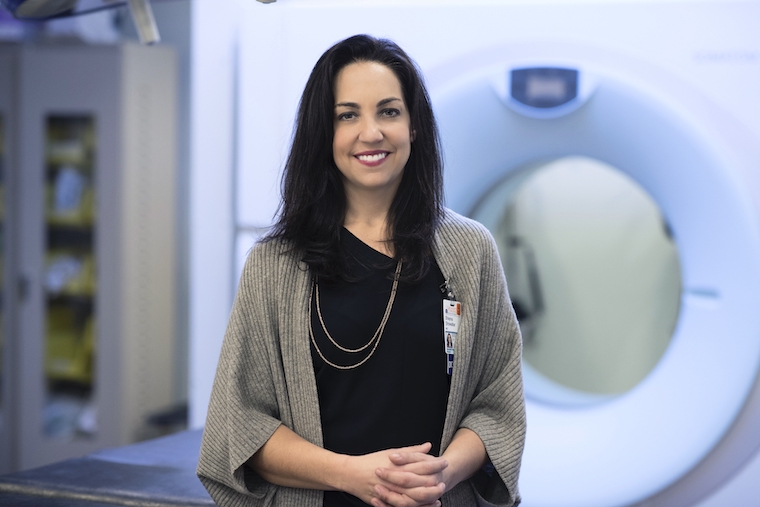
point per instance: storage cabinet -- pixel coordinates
(94, 248)
(8, 78)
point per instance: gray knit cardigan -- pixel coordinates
(265, 375)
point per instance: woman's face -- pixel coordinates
(372, 139)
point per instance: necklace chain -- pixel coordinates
(375, 337)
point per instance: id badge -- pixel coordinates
(452, 315)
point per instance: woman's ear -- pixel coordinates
(413, 136)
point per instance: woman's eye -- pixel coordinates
(349, 115)
(390, 113)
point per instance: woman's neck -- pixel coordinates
(367, 219)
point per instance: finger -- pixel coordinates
(424, 495)
(402, 458)
(376, 502)
(413, 497)
(423, 448)
(407, 478)
(419, 461)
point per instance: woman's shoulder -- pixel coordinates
(270, 247)
(456, 227)
(270, 253)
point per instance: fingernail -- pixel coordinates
(396, 455)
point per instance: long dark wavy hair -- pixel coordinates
(313, 207)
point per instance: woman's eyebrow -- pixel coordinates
(348, 104)
(388, 100)
(356, 106)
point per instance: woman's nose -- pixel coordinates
(370, 132)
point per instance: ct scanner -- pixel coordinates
(513, 84)
(687, 404)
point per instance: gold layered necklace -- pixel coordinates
(373, 342)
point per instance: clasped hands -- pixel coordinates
(404, 477)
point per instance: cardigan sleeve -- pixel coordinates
(243, 411)
(497, 410)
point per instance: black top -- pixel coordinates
(399, 396)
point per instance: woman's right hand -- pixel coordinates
(404, 477)
(414, 482)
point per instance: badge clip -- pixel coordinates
(446, 290)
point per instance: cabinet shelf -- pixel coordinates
(70, 237)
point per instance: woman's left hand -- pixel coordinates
(412, 471)
(409, 482)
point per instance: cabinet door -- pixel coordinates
(96, 217)
(7, 78)
(70, 104)
(3, 296)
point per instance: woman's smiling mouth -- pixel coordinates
(372, 158)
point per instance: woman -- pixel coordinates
(336, 385)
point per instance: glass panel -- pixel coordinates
(70, 282)
(593, 273)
